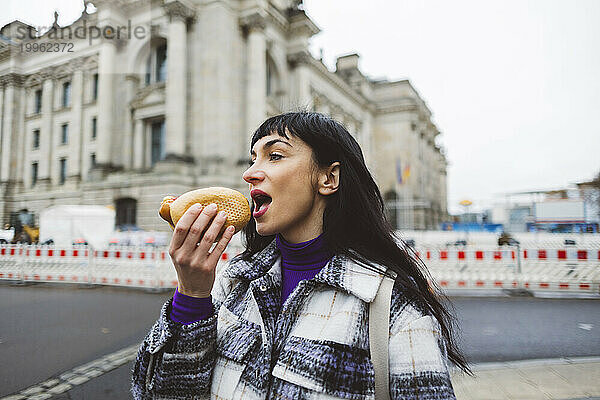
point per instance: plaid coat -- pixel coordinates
(315, 347)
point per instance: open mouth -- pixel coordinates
(261, 205)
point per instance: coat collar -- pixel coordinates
(340, 272)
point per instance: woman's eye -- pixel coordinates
(279, 156)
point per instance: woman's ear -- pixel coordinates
(329, 179)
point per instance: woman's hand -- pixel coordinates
(194, 264)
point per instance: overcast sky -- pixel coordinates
(514, 86)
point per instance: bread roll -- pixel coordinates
(231, 201)
(165, 209)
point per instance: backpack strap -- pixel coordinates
(379, 335)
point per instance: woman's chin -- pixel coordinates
(264, 229)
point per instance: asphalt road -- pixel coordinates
(517, 328)
(49, 329)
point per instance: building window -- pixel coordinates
(156, 64)
(93, 160)
(391, 208)
(36, 139)
(148, 70)
(66, 99)
(63, 171)
(272, 78)
(95, 86)
(64, 133)
(38, 101)
(269, 77)
(34, 173)
(161, 63)
(94, 127)
(125, 210)
(158, 141)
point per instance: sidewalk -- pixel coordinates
(562, 378)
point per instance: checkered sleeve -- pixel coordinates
(418, 360)
(176, 360)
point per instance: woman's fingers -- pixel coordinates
(183, 225)
(212, 233)
(214, 256)
(198, 227)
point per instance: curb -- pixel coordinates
(505, 293)
(529, 363)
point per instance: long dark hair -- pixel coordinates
(354, 222)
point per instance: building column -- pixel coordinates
(176, 85)
(138, 145)
(128, 149)
(46, 133)
(2, 112)
(19, 151)
(300, 97)
(106, 99)
(256, 71)
(4, 186)
(11, 115)
(75, 164)
(304, 97)
(367, 140)
(7, 130)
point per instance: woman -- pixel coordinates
(288, 317)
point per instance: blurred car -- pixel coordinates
(506, 240)
(128, 228)
(410, 242)
(79, 242)
(6, 234)
(460, 242)
(132, 235)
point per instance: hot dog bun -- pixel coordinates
(165, 209)
(228, 200)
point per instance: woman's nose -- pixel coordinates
(251, 175)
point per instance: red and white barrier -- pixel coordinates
(453, 268)
(463, 254)
(563, 270)
(119, 266)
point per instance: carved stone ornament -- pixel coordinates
(177, 9)
(12, 78)
(56, 71)
(300, 57)
(253, 22)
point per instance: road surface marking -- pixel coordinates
(586, 327)
(76, 376)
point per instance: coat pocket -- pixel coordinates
(327, 367)
(238, 341)
(236, 337)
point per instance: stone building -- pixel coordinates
(142, 98)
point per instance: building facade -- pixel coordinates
(142, 98)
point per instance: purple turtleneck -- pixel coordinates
(299, 261)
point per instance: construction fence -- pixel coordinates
(512, 267)
(561, 269)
